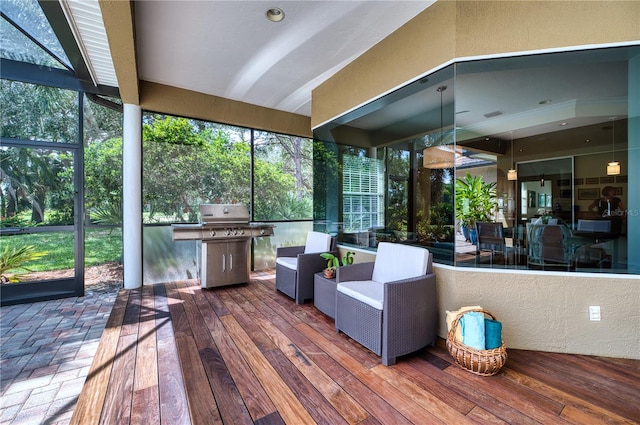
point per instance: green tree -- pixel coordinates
(103, 174)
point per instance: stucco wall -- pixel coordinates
(181, 102)
(548, 311)
(458, 29)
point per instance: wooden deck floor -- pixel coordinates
(245, 354)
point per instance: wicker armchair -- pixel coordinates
(389, 306)
(296, 265)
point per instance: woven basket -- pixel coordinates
(480, 362)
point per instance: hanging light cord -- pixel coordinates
(513, 167)
(613, 139)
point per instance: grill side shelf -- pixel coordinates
(184, 232)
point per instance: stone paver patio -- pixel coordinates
(46, 350)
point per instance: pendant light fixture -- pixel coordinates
(441, 155)
(512, 174)
(613, 167)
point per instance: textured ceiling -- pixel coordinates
(230, 49)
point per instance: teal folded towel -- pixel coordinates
(472, 325)
(492, 334)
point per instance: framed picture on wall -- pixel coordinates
(564, 182)
(542, 200)
(565, 193)
(588, 194)
(618, 190)
(532, 199)
(578, 181)
(607, 179)
(592, 180)
(621, 179)
(548, 201)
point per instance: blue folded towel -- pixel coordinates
(472, 324)
(492, 334)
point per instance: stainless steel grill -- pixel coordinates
(226, 235)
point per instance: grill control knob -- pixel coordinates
(212, 233)
(262, 231)
(241, 231)
(227, 232)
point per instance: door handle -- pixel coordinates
(230, 262)
(223, 263)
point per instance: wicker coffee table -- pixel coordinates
(324, 294)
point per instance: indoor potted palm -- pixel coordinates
(475, 201)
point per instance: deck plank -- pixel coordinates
(255, 398)
(92, 398)
(174, 408)
(225, 392)
(178, 354)
(283, 398)
(281, 333)
(203, 408)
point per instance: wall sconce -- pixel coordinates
(542, 180)
(512, 174)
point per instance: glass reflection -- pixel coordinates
(548, 117)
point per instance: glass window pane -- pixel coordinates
(189, 162)
(38, 191)
(557, 119)
(18, 47)
(102, 164)
(37, 187)
(363, 188)
(283, 183)
(536, 132)
(28, 15)
(34, 112)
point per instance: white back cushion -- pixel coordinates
(317, 242)
(397, 262)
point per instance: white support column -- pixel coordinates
(132, 196)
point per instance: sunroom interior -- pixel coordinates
(384, 150)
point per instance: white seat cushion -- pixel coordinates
(368, 291)
(317, 242)
(288, 262)
(397, 262)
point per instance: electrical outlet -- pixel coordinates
(594, 313)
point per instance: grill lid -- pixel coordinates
(224, 213)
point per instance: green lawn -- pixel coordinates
(101, 246)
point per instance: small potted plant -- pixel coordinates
(334, 262)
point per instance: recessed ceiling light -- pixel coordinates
(587, 140)
(274, 14)
(544, 102)
(493, 114)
